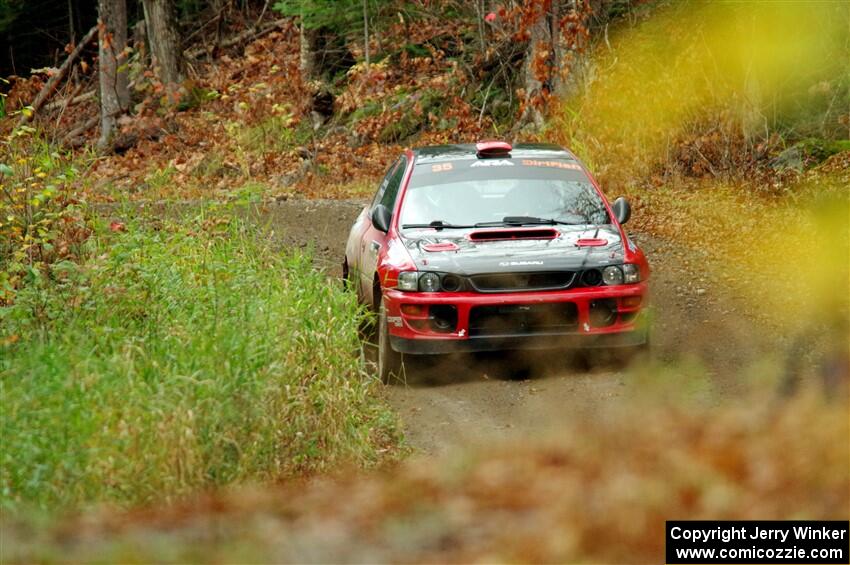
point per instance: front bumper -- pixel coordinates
(412, 333)
(502, 343)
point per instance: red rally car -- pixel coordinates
(488, 246)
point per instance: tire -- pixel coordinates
(389, 360)
(346, 276)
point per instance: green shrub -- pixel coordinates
(180, 356)
(40, 217)
(271, 135)
(413, 115)
(368, 109)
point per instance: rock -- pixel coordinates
(790, 159)
(289, 179)
(356, 140)
(318, 120)
(808, 153)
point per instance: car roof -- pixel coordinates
(463, 151)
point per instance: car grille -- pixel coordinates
(518, 282)
(514, 319)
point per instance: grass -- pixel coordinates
(159, 180)
(177, 356)
(273, 134)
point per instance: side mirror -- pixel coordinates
(622, 210)
(381, 217)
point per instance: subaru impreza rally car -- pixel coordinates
(488, 246)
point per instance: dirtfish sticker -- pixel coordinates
(555, 164)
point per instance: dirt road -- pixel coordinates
(453, 401)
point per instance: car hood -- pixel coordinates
(471, 257)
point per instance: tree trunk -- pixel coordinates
(538, 65)
(366, 31)
(72, 35)
(572, 61)
(307, 62)
(114, 91)
(324, 52)
(164, 40)
(555, 63)
(139, 42)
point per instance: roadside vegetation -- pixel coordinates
(150, 357)
(41, 215)
(176, 355)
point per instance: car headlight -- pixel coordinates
(429, 282)
(408, 280)
(631, 273)
(413, 281)
(612, 275)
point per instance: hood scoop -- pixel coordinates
(445, 246)
(512, 234)
(591, 242)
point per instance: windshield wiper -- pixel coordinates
(437, 225)
(527, 221)
(506, 221)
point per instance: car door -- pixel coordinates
(373, 240)
(354, 247)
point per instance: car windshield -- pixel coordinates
(506, 200)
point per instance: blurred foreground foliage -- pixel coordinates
(788, 256)
(599, 490)
(711, 89)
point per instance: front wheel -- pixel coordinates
(346, 276)
(389, 360)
